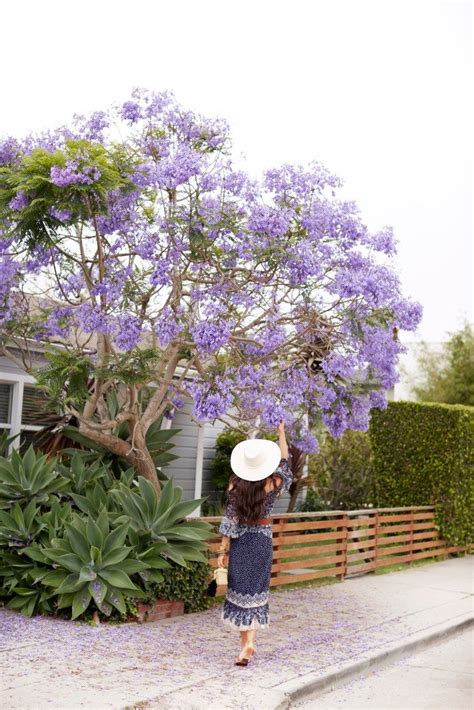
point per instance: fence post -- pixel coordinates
(376, 538)
(343, 552)
(411, 535)
(275, 535)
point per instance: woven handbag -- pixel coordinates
(220, 575)
(219, 578)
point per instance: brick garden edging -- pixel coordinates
(159, 609)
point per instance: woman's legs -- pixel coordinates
(251, 635)
(247, 638)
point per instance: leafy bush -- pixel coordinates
(189, 583)
(342, 472)
(423, 454)
(78, 539)
(312, 503)
(220, 464)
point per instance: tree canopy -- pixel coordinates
(132, 246)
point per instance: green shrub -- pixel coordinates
(342, 472)
(186, 583)
(220, 464)
(311, 504)
(447, 376)
(423, 454)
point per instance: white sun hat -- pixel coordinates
(255, 459)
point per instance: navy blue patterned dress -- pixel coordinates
(250, 563)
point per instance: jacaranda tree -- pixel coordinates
(131, 246)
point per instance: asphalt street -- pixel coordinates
(437, 677)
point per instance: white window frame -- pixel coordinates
(14, 426)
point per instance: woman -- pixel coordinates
(261, 474)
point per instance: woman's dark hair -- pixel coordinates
(248, 497)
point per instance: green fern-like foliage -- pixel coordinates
(31, 176)
(65, 378)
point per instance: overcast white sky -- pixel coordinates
(378, 90)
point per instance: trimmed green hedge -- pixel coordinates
(423, 454)
(186, 583)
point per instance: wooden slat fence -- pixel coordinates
(347, 543)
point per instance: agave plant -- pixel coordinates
(82, 475)
(6, 441)
(90, 485)
(21, 576)
(22, 584)
(91, 563)
(54, 520)
(94, 500)
(18, 526)
(28, 477)
(158, 527)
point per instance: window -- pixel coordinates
(35, 413)
(36, 406)
(5, 405)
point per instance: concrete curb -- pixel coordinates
(312, 683)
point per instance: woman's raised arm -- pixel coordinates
(282, 440)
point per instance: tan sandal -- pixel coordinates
(246, 659)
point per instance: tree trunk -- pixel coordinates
(144, 465)
(294, 495)
(297, 462)
(139, 457)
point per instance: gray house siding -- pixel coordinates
(183, 469)
(211, 432)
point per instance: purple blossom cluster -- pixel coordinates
(19, 202)
(57, 324)
(290, 183)
(213, 400)
(161, 275)
(210, 336)
(166, 327)
(73, 174)
(93, 319)
(10, 150)
(129, 331)
(303, 264)
(62, 215)
(92, 127)
(271, 221)
(177, 168)
(9, 271)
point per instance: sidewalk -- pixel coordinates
(187, 662)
